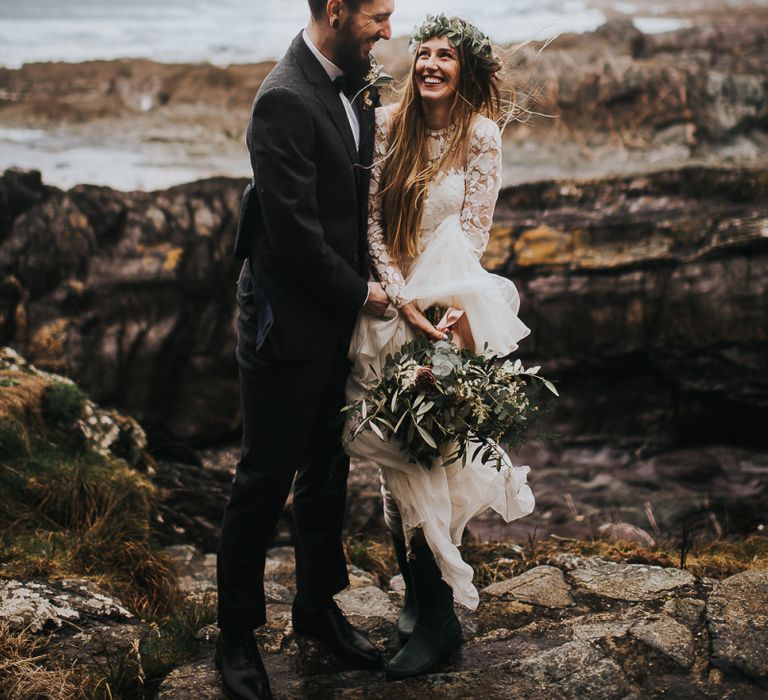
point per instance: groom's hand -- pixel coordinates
(377, 301)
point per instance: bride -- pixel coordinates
(435, 180)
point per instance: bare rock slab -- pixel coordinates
(669, 638)
(367, 602)
(196, 680)
(737, 617)
(577, 669)
(38, 606)
(542, 585)
(689, 611)
(591, 631)
(196, 571)
(630, 582)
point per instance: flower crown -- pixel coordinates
(458, 32)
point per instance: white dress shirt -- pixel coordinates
(334, 72)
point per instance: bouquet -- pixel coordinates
(437, 399)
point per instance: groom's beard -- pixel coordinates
(349, 57)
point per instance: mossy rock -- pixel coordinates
(73, 503)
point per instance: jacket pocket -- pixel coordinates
(254, 317)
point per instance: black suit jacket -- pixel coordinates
(303, 218)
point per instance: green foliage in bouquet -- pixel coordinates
(436, 400)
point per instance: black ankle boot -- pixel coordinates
(243, 676)
(437, 632)
(410, 612)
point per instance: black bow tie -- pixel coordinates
(345, 85)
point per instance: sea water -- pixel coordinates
(221, 32)
(242, 31)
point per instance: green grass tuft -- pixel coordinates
(63, 404)
(68, 511)
(173, 642)
(14, 441)
(375, 556)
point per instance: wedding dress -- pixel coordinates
(447, 271)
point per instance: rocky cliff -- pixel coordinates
(646, 296)
(129, 293)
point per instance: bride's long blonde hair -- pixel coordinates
(406, 173)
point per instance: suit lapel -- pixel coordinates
(329, 96)
(326, 92)
(367, 136)
(365, 153)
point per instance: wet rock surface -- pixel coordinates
(581, 488)
(596, 647)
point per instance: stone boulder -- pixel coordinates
(33, 606)
(542, 585)
(80, 624)
(628, 582)
(737, 618)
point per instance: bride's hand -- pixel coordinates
(419, 322)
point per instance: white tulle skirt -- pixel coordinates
(443, 499)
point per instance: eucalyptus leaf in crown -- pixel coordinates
(458, 32)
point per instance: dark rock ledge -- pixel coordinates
(576, 628)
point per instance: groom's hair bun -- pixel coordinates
(317, 7)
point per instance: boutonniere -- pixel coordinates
(374, 79)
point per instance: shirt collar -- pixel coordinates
(330, 68)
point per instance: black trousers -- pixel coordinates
(291, 427)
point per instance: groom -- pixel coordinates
(302, 233)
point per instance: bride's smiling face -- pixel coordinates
(437, 69)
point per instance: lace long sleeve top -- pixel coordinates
(476, 201)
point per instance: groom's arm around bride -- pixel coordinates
(303, 236)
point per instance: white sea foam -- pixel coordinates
(21, 135)
(659, 25)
